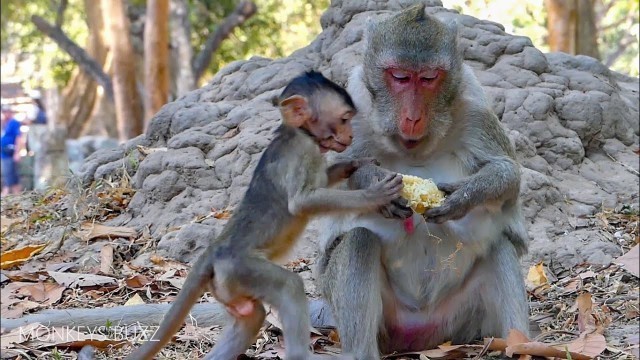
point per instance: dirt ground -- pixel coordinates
(57, 255)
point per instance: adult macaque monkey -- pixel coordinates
(288, 187)
(456, 276)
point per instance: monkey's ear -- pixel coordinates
(295, 110)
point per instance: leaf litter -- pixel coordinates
(579, 312)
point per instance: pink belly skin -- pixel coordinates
(410, 338)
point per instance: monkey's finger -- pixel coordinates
(402, 202)
(448, 188)
(386, 212)
(435, 214)
(400, 212)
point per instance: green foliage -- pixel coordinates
(618, 27)
(41, 59)
(278, 28)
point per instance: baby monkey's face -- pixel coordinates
(332, 124)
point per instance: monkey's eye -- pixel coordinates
(429, 76)
(399, 75)
(344, 121)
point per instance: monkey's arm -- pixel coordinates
(365, 175)
(313, 201)
(345, 168)
(497, 179)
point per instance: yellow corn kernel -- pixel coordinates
(422, 194)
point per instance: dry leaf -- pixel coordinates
(537, 276)
(91, 231)
(106, 259)
(80, 280)
(134, 300)
(590, 344)
(222, 214)
(631, 261)
(146, 150)
(516, 337)
(18, 256)
(16, 309)
(540, 349)
(137, 281)
(586, 321)
(19, 275)
(167, 264)
(45, 293)
(18, 335)
(5, 223)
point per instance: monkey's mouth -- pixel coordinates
(409, 144)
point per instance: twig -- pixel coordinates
(629, 168)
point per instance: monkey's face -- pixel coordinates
(413, 91)
(332, 124)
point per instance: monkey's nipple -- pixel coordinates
(408, 225)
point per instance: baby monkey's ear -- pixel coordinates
(295, 110)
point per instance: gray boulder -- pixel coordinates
(573, 121)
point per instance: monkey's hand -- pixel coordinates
(456, 205)
(367, 174)
(385, 190)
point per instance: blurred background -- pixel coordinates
(84, 75)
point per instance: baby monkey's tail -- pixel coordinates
(200, 275)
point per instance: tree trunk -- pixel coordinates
(156, 57)
(572, 27)
(182, 53)
(126, 96)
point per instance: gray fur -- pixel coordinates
(459, 270)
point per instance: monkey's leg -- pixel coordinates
(239, 335)
(351, 282)
(504, 296)
(284, 291)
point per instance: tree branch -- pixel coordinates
(611, 59)
(60, 13)
(78, 54)
(240, 14)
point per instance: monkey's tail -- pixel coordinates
(194, 286)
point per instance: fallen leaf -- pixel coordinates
(222, 214)
(137, 281)
(44, 293)
(167, 264)
(590, 344)
(80, 280)
(106, 259)
(5, 223)
(18, 335)
(537, 276)
(18, 256)
(586, 321)
(134, 300)
(146, 150)
(16, 309)
(631, 261)
(91, 231)
(587, 275)
(516, 337)
(19, 275)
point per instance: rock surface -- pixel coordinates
(573, 121)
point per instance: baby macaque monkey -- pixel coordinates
(288, 188)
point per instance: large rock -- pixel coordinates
(573, 121)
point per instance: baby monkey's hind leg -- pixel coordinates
(284, 291)
(238, 336)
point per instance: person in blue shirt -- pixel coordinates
(11, 145)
